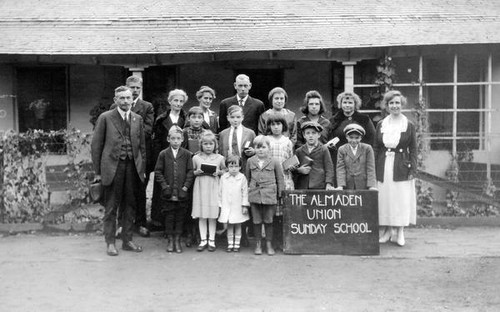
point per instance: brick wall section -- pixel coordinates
(178, 26)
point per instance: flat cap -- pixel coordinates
(312, 124)
(354, 128)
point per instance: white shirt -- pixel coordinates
(123, 113)
(174, 118)
(243, 99)
(354, 149)
(174, 151)
(206, 117)
(239, 137)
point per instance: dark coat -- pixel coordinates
(325, 123)
(339, 121)
(252, 110)
(321, 169)
(264, 184)
(174, 173)
(405, 160)
(107, 141)
(147, 112)
(224, 144)
(162, 124)
(356, 172)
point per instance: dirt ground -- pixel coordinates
(438, 270)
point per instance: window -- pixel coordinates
(455, 88)
(42, 101)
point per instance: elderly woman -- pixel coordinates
(205, 97)
(278, 98)
(313, 110)
(349, 104)
(175, 115)
(395, 157)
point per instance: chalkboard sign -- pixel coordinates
(331, 222)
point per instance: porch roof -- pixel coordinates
(96, 27)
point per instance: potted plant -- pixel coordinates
(39, 108)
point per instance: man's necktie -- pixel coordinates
(234, 143)
(241, 103)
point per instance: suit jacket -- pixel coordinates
(321, 169)
(174, 173)
(224, 143)
(147, 112)
(264, 184)
(108, 139)
(405, 158)
(356, 172)
(252, 110)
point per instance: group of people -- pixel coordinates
(232, 167)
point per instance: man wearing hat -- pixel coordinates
(355, 161)
(316, 168)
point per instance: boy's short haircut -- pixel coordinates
(234, 108)
(276, 118)
(233, 160)
(208, 136)
(174, 129)
(260, 140)
(195, 110)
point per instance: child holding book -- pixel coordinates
(233, 202)
(281, 149)
(174, 173)
(355, 161)
(265, 180)
(208, 166)
(316, 167)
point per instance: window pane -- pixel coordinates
(470, 96)
(438, 68)
(469, 123)
(369, 97)
(365, 72)
(441, 123)
(471, 68)
(439, 97)
(441, 145)
(406, 69)
(411, 94)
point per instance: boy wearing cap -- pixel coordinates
(355, 161)
(316, 168)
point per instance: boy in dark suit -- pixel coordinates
(174, 172)
(316, 167)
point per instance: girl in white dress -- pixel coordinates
(396, 158)
(206, 189)
(233, 201)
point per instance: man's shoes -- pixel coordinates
(130, 246)
(144, 232)
(111, 251)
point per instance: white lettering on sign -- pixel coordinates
(345, 200)
(310, 228)
(351, 228)
(324, 214)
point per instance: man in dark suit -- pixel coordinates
(146, 111)
(118, 151)
(252, 108)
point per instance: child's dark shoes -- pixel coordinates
(202, 245)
